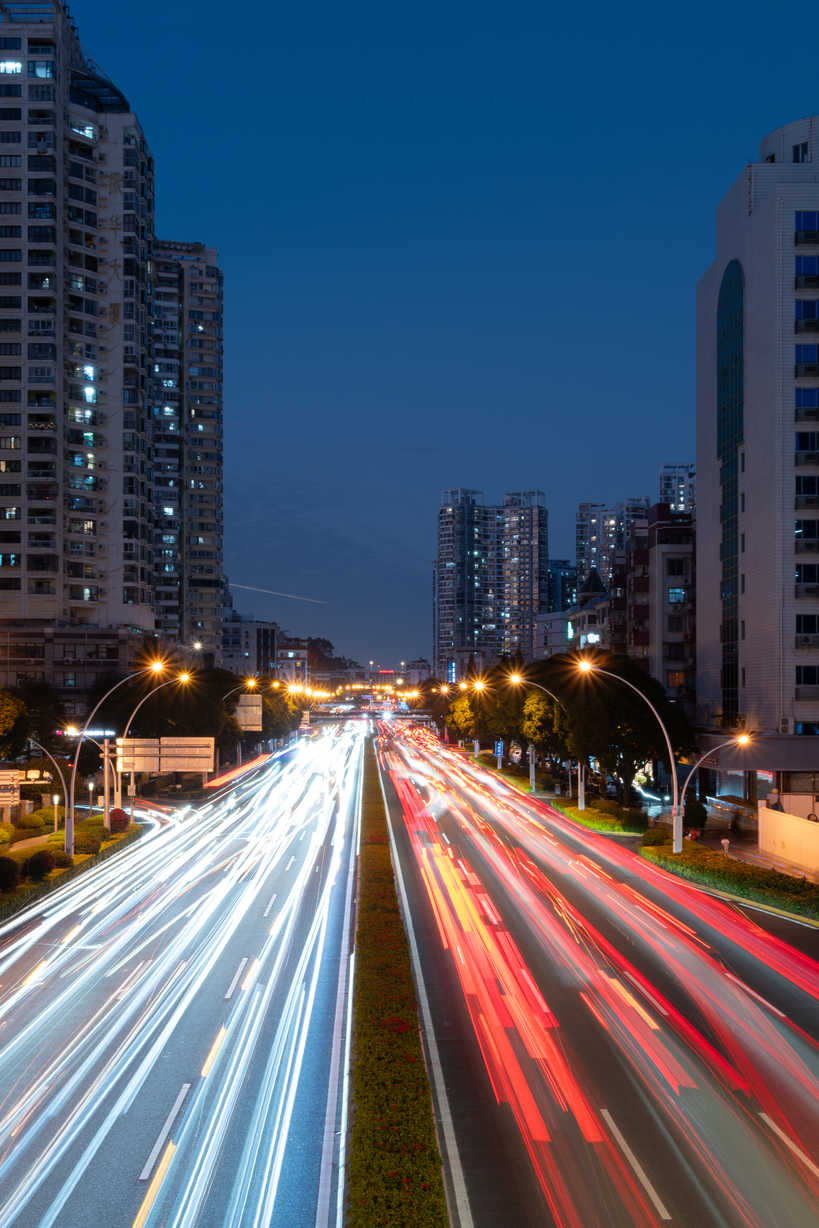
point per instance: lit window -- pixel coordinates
(676, 596)
(89, 395)
(89, 372)
(10, 67)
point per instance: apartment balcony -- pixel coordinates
(808, 545)
(806, 641)
(801, 502)
(807, 693)
(806, 458)
(806, 326)
(806, 590)
(803, 237)
(807, 415)
(806, 281)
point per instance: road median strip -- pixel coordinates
(394, 1169)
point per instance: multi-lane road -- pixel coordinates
(174, 1024)
(609, 1045)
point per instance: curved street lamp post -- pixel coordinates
(742, 739)
(183, 678)
(588, 667)
(156, 667)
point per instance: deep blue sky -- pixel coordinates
(460, 245)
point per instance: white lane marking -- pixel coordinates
(456, 1172)
(797, 1151)
(235, 980)
(303, 834)
(270, 905)
(129, 980)
(164, 1132)
(754, 994)
(659, 1205)
(289, 864)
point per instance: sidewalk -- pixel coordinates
(745, 850)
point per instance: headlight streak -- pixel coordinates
(101, 1067)
(749, 1056)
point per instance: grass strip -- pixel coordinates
(12, 901)
(713, 869)
(394, 1167)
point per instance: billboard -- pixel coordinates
(249, 713)
(138, 755)
(10, 787)
(155, 755)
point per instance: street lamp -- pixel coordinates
(742, 739)
(588, 667)
(184, 678)
(250, 683)
(519, 680)
(90, 795)
(155, 667)
(55, 801)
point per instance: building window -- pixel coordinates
(800, 152)
(676, 677)
(807, 624)
(676, 596)
(806, 530)
(675, 567)
(11, 67)
(807, 675)
(743, 675)
(807, 220)
(41, 68)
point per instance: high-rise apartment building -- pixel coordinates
(187, 423)
(76, 226)
(758, 455)
(524, 569)
(562, 584)
(678, 487)
(601, 531)
(490, 578)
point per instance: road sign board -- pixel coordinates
(137, 754)
(10, 787)
(499, 748)
(249, 713)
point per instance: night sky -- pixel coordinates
(460, 245)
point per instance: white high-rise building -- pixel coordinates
(678, 487)
(76, 226)
(758, 457)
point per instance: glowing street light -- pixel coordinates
(479, 684)
(585, 666)
(742, 740)
(155, 668)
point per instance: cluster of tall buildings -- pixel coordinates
(110, 375)
(497, 593)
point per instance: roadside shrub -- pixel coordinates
(9, 873)
(30, 823)
(62, 859)
(714, 869)
(654, 836)
(39, 865)
(6, 833)
(119, 821)
(696, 815)
(87, 842)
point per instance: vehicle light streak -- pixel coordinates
(167, 919)
(710, 1056)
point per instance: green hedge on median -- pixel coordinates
(631, 823)
(394, 1174)
(714, 869)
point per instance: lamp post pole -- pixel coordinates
(742, 740)
(156, 668)
(118, 775)
(48, 753)
(676, 818)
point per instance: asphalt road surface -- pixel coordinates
(174, 1023)
(609, 1045)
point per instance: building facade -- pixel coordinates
(187, 426)
(249, 644)
(600, 531)
(671, 613)
(758, 456)
(76, 226)
(490, 579)
(678, 487)
(562, 584)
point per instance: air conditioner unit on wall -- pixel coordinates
(785, 725)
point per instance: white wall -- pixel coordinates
(788, 836)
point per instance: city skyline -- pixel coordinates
(415, 293)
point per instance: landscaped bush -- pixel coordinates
(653, 836)
(9, 873)
(714, 869)
(598, 820)
(6, 833)
(696, 816)
(119, 821)
(62, 859)
(394, 1165)
(87, 842)
(39, 865)
(31, 824)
